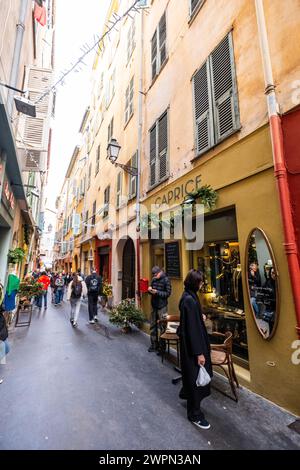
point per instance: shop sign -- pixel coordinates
(177, 194)
(8, 196)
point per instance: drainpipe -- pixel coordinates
(14, 73)
(139, 157)
(279, 162)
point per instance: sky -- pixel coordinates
(76, 24)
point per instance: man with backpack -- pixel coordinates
(76, 291)
(94, 287)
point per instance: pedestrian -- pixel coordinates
(52, 286)
(4, 344)
(76, 291)
(160, 290)
(194, 348)
(45, 282)
(94, 287)
(59, 289)
(80, 274)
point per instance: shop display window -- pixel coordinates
(222, 293)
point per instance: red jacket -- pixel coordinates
(45, 281)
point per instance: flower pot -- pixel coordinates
(127, 329)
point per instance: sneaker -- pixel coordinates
(75, 324)
(96, 319)
(72, 320)
(91, 322)
(1, 381)
(202, 423)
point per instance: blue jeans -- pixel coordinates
(4, 349)
(59, 294)
(39, 302)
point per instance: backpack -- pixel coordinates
(94, 285)
(76, 290)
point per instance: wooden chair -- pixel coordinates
(221, 356)
(169, 337)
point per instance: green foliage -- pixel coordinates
(29, 288)
(15, 256)
(126, 314)
(207, 195)
(107, 289)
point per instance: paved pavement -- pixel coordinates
(79, 389)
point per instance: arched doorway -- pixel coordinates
(128, 280)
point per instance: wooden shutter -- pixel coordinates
(162, 40)
(203, 110)
(119, 189)
(94, 213)
(154, 55)
(153, 153)
(131, 97)
(76, 224)
(224, 89)
(132, 185)
(127, 104)
(163, 146)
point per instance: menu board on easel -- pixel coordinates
(172, 254)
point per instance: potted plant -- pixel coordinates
(107, 295)
(28, 289)
(15, 256)
(126, 314)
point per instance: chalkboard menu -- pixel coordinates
(172, 254)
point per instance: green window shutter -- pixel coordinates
(224, 89)
(162, 40)
(154, 55)
(163, 146)
(119, 189)
(203, 110)
(153, 156)
(132, 185)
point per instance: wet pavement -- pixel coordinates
(98, 388)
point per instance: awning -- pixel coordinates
(7, 143)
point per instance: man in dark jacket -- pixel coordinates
(160, 290)
(94, 287)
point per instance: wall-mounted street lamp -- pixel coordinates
(23, 105)
(113, 150)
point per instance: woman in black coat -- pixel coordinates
(194, 348)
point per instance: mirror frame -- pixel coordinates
(277, 281)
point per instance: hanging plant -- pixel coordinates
(206, 194)
(16, 256)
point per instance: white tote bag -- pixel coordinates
(203, 377)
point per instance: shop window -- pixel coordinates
(159, 151)
(159, 47)
(215, 98)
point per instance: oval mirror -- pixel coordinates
(262, 283)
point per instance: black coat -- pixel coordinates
(100, 284)
(193, 342)
(164, 289)
(3, 328)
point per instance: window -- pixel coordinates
(215, 98)
(86, 221)
(97, 161)
(119, 189)
(130, 40)
(132, 178)
(159, 150)
(89, 176)
(129, 101)
(110, 131)
(159, 47)
(195, 6)
(94, 213)
(106, 202)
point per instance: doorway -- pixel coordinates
(104, 262)
(128, 281)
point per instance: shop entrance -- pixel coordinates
(128, 282)
(103, 254)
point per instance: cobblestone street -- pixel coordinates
(68, 388)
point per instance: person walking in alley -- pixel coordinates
(94, 287)
(45, 281)
(76, 291)
(59, 289)
(160, 290)
(194, 348)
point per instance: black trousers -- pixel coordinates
(92, 303)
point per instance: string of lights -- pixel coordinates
(88, 49)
